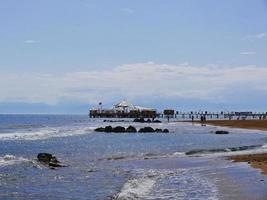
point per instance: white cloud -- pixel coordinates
(248, 53)
(29, 41)
(256, 36)
(260, 35)
(133, 80)
(127, 10)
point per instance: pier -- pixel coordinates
(125, 109)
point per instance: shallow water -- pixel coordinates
(118, 166)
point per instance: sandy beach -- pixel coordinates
(247, 124)
(258, 161)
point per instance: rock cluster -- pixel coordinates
(142, 120)
(130, 129)
(106, 120)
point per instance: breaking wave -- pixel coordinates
(12, 160)
(224, 150)
(138, 187)
(195, 152)
(45, 133)
(168, 184)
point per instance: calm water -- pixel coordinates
(118, 166)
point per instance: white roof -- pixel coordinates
(124, 103)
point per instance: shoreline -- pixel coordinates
(244, 124)
(257, 161)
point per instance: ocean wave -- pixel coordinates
(23, 126)
(137, 188)
(230, 149)
(195, 152)
(168, 184)
(12, 160)
(45, 133)
(145, 156)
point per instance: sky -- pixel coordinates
(59, 56)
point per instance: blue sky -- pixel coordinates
(66, 56)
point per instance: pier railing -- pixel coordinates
(179, 115)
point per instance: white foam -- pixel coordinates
(45, 133)
(184, 184)
(137, 187)
(11, 160)
(169, 184)
(178, 153)
(262, 149)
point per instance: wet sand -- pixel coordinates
(247, 124)
(258, 161)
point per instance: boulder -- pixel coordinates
(52, 164)
(101, 129)
(49, 160)
(44, 157)
(221, 132)
(141, 120)
(118, 129)
(147, 130)
(158, 130)
(131, 129)
(136, 120)
(165, 131)
(108, 129)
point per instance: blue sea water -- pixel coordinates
(182, 164)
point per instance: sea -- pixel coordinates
(186, 163)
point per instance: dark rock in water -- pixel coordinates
(91, 170)
(131, 129)
(118, 129)
(165, 131)
(49, 159)
(54, 160)
(158, 130)
(108, 129)
(101, 129)
(105, 120)
(141, 120)
(147, 130)
(116, 158)
(136, 120)
(44, 157)
(52, 164)
(221, 132)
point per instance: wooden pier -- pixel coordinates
(122, 114)
(124, 109)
